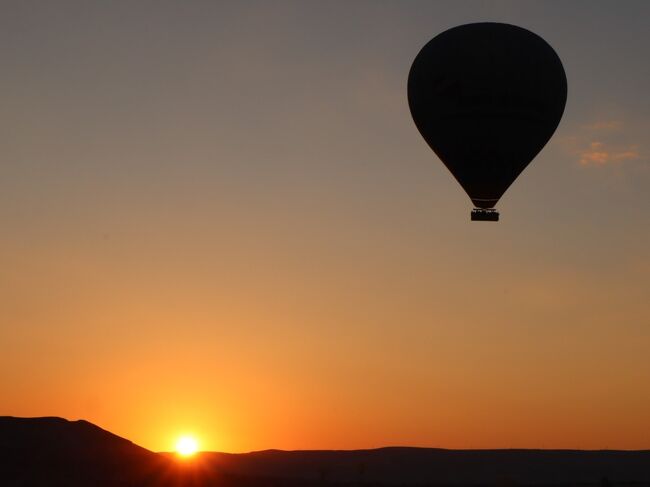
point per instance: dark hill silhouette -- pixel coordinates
(430, 466)
(53, 452)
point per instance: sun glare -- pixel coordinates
(186, 446)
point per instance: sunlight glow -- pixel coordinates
(187, 446)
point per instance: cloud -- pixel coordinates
(602, 143)
(598, 154)
(630, 155)
(604, 125)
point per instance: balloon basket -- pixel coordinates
(485, 215)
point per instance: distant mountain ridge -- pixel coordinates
(52, 452)
(429, 466)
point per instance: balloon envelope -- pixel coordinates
(487, 97)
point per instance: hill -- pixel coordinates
(429, 466)
(53, 452)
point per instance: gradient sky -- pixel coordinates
(220, 218)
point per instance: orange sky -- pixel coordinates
(221, 220)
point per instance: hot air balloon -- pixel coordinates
(486, 97)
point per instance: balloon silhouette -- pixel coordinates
(486, 97)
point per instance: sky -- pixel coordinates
(218, 218)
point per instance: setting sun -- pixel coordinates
(187, 446)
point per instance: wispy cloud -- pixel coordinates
(608, 125)
(601, 143)
(599, 154)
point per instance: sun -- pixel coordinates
(186, 446)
